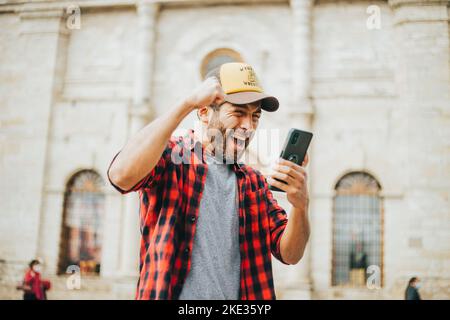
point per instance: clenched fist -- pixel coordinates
(207, 93)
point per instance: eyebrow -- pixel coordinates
(244, 106)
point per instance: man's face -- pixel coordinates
(236, 124)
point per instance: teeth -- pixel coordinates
(239, 136)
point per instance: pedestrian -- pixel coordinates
(34, 288)
(412, 290)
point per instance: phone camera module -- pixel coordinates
(293, 158)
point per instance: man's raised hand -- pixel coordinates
(207, 93)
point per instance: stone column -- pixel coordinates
(300, 112)
(45, 39)
(140, 114)
(301, 106)
(421, 30)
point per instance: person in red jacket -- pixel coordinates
(33, 286)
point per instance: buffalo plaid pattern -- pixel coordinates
(169, 203)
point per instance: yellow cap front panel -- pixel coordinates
(238, 77)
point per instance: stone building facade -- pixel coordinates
(371, 79)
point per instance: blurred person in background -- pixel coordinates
(412, 290)
(34, 288)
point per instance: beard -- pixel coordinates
(226, 144)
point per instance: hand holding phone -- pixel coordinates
(295, 148)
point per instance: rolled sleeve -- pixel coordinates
(151, 178)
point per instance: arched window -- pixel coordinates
(357, 230)
(81, 238)
(218, 57)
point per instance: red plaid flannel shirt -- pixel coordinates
(169, 201)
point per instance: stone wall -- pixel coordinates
(377, 100)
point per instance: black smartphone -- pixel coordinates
(294, 149)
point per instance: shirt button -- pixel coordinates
(186, 251)
(193, 219)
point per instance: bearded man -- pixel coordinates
(209, 224)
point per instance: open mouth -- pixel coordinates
(241, 135)
(240, 141)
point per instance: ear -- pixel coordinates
(203, 114)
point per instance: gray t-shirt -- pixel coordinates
(216, 261)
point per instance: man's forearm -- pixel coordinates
(295, 236)
(143, 151)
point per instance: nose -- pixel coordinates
(247, 123)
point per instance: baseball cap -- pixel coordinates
(240, 85)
